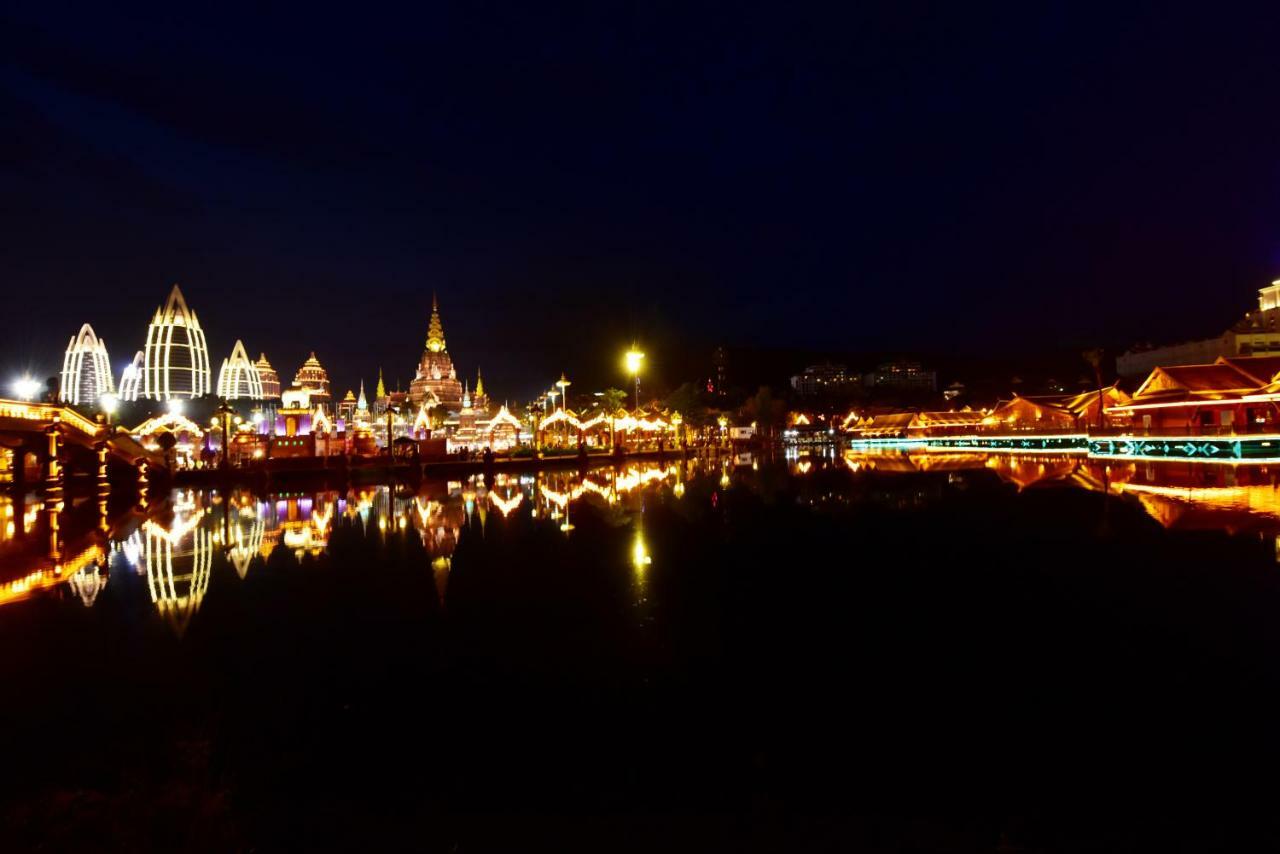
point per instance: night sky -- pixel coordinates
(929, 178)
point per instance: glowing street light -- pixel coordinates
(26, 388)
(633, 360)
(564, 384)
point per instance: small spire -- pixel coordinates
(435, 330)
(381, 391)
(479, 384)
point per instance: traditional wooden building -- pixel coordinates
(1235, 394)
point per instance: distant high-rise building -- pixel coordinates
(717, 383)
(314, 377)
(176, 358)
(269, 378)
(436, 374)
(824, 379)
(902, 375)
(131, 378)
(86, 370)
(238, 379)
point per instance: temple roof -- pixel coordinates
(1196, 378)
(1262, 369)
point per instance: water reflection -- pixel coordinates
(1181, 495)
(177, 547)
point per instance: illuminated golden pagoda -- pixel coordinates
(435, 373)
(313, 377)
(269, 378)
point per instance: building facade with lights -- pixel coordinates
(1255, 334)
(86, 370)
(436, 374)
(176, 357)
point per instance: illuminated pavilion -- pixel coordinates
(238, 379)
(313, 377)
(436, 374)
(86, 370)
(176, 357)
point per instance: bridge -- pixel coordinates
(50, 431)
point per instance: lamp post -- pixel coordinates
(225, 412)
(553, 394)
(633, 360)
(109, 403)
(563, 384)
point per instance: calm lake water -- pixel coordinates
(725, 650)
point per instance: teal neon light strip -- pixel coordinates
(1228, 449)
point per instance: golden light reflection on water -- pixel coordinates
(1173, 493)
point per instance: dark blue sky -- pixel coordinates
(905, 177)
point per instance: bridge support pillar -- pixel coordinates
(143, 484)
(52, 464)
(104, 484)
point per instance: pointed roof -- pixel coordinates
(349, 397)
(176, 301)
(1263, 369)
(435, 330)
(479, 384)
(238, 355)
(262, 363)
(176, 307)
(381, 391)
(361, 403)
(1195, 379)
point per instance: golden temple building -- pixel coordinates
(436, 374)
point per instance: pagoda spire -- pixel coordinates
(381, 391)
(361, 402)
(479, 384)
(435, 330)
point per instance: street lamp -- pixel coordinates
(109, 403)
(26, 388)
(552, 395)
(633, 360)
(563, 384)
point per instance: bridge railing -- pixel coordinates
(28, 411)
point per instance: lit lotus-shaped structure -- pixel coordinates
(131, 378)
(238, 379)
(86, 370)
(176, 358)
